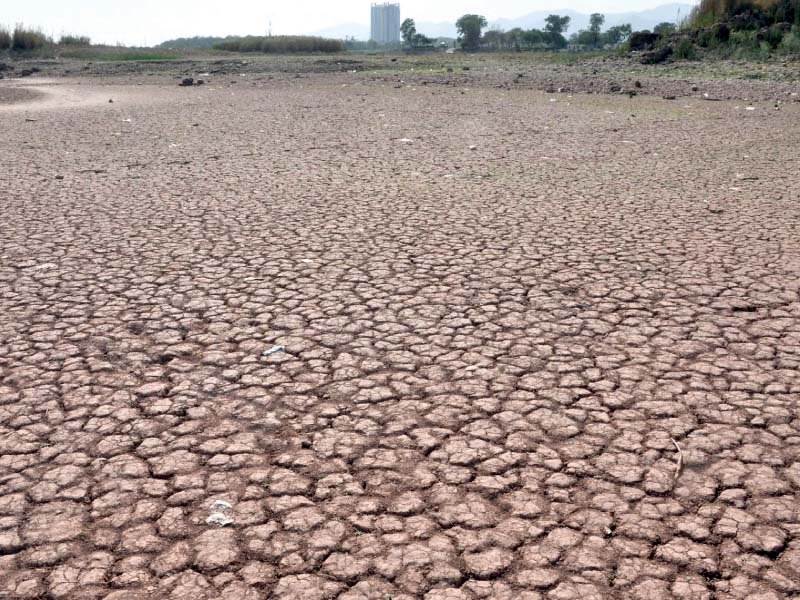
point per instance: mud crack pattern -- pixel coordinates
(490, 353)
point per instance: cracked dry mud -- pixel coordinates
(489, 352)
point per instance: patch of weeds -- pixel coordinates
(684, 50)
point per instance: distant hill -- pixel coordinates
(644, 19)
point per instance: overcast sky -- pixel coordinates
(152, 21)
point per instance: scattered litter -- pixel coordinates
(110, 101)
(473, 147)
(219, 515)
(404, 141)
(736, 189)
(219, 518)
(186, 82)
(553, 100)
(30, 120)
(274, 350)
(308, 261)
(126, 121)
(750, 108)
(608, 531)
(679, 466)
(471, 368)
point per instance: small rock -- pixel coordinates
(186, 82)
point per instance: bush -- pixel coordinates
(772, 35)
(28, 39)
(5, 38)
(643, 40)
(791, 42)
(684, 50)
(74, 40)
(284, 44)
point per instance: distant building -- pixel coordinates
(385, 23)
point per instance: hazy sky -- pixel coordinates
(153, 21)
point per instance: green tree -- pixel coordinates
(617, 34)
(534, 38)
(596, 21)
(556, 24)
(495, 39)
(554, 28)
(469, 31)
(408, 30)
(516, 38)
(664, 28)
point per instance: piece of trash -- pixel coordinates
(679, 466)
(126, 121)
(274, 350)
(404, 141)
(219, 518)
(110, 101)
(308, 261)
(220, 515)
(473, 147)
(186, 82)
(30, 120)
(608, 531)
(749, 107)
(471, 368)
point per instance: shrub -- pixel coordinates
(5, 38)
(791, 42)
(74, 40)
(28, 39)
(643, 40)
(771, 35)
(684, 49)
(284, 44)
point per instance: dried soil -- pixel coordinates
(501, 311)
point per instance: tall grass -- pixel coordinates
(28, 38)
(282, 44)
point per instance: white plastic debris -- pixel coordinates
(404, 141)
(220, 514)
(750, 108)
(273, 350)
(219, 518)
(473, 147)
(126, 121)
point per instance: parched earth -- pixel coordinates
(523, 345)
